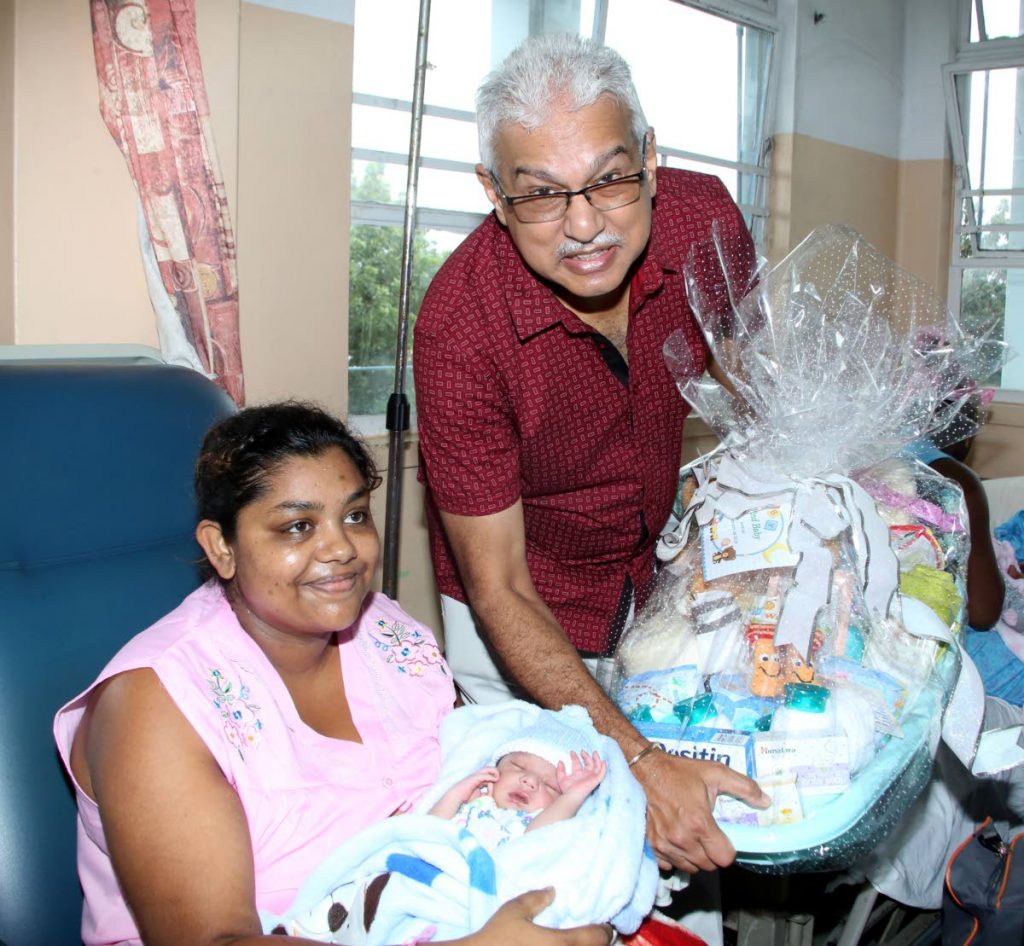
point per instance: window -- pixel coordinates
(726, 44)
(988, 21)
(985, 107)
(716, 133)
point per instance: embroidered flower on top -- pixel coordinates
(408, 648)
(239, 715)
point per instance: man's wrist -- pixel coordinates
(644, 753)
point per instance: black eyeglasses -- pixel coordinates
(604, 195)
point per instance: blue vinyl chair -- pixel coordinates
(96, 543)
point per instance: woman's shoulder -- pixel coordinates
(203, 609)
(137, 666)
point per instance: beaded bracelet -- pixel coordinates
(650, 747)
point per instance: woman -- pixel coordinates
(279, 709)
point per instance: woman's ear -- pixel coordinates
(218, 551)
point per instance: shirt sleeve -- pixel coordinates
(468, 441)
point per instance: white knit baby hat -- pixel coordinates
(553, 735)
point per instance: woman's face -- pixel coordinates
(304, 553)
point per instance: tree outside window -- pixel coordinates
(375, 275)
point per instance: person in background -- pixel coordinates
(550, 428)
(988, 582)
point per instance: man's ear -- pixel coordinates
(651, 162)
(487, 182)
(218, 551)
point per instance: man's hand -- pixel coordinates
(680, 796)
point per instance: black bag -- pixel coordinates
(983, 899)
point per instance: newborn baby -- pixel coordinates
(522, 791)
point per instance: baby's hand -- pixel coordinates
(587, 773)
(477, 784)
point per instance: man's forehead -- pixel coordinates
(567, 141)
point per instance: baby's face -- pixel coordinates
(526, 782)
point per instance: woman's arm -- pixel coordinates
(985, 587)
(175, 829)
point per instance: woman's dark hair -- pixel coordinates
(242, 451)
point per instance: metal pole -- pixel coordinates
(398, 403)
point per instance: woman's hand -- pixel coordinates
(513, 923)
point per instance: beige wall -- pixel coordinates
(998, 450)
(77, 273)
(816, 182)
(294, 145)
(902, 207)
(280, 90)
(924, 220)
(280, 94)
(7, 172)
(416, 589)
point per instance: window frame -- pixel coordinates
(976, 58)
(985, 47)
(757, 14)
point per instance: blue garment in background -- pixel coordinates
(923, 450)
(1012, 531)
(1001, 671)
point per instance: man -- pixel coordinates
(550, 427)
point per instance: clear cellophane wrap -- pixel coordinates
(803, 626)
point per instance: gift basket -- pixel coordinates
(803, 628)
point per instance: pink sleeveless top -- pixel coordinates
(302, 793)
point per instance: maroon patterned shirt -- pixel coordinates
(518, 398)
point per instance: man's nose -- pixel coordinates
(582, 221)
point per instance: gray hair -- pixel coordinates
(548, 71)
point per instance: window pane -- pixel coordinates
(991, 113)
(989, 211)
(995, 298)
(451, 190)
(381, 129)
(375, 268)
(466, 39)
(1002, 20)
(391, 28)
(381, 183)
(459, 50)
(650, 33)
(448, 138)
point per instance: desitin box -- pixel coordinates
(731, 748)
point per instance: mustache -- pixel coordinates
(602, 240)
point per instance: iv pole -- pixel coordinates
(398, 402)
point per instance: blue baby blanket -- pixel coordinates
(444, 884)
